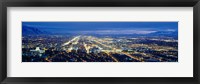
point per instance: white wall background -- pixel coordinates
(183, 68)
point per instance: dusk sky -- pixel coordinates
(104, 27)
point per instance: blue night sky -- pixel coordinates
(104, 27)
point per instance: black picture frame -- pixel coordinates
(98, 3)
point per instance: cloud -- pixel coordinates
(172, 30)
(117, 32)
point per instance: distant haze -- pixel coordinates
(102, 27)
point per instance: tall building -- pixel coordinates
(95, 50)
(37, 51)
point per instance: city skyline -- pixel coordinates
(99, 41)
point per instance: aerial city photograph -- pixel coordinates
(99, 41)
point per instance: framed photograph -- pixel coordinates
(85, 41)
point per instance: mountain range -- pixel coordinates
(26, 30)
